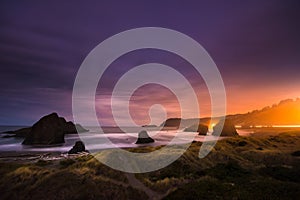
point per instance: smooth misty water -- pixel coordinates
(97, 141)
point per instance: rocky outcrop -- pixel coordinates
(172, 122)
(78, 148)
(144, 138)
(67, 128)
(23, 132)
(200, 128)
(149, 126)
(228, 128)
(49, 130)
(184, 123)
(286, 112)
(70, 128)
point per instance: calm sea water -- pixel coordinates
(112, 138)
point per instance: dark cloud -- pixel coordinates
(43, 43)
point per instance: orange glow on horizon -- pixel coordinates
(286, 126)
(271, 126)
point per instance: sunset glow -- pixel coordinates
(286, 126)
(41, 81)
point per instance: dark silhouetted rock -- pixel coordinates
(78, 148)
(200, 128)
(172, 122)
(183, 123)
(144, 138)
(228, 129)
(48, 130)
(19, 133)
(70, 127)
(80, 129)
(149, 126)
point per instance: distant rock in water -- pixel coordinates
(172, 122)
(200, 128)
(78, 148)
(19, 133)
(80, 129)
(49, 130)
(183, 123)
(70, 127)
(228, 129)
(144, 138)
(149, 126)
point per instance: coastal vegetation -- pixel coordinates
(257, 167)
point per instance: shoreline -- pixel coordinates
(35, 154)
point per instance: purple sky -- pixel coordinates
(255, 44)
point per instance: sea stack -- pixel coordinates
(77, 148)
(144, 138)
(50, 130)
(200, 128)
(228, 128)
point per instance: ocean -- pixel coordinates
(112, 138)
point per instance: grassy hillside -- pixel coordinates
(287, 112)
